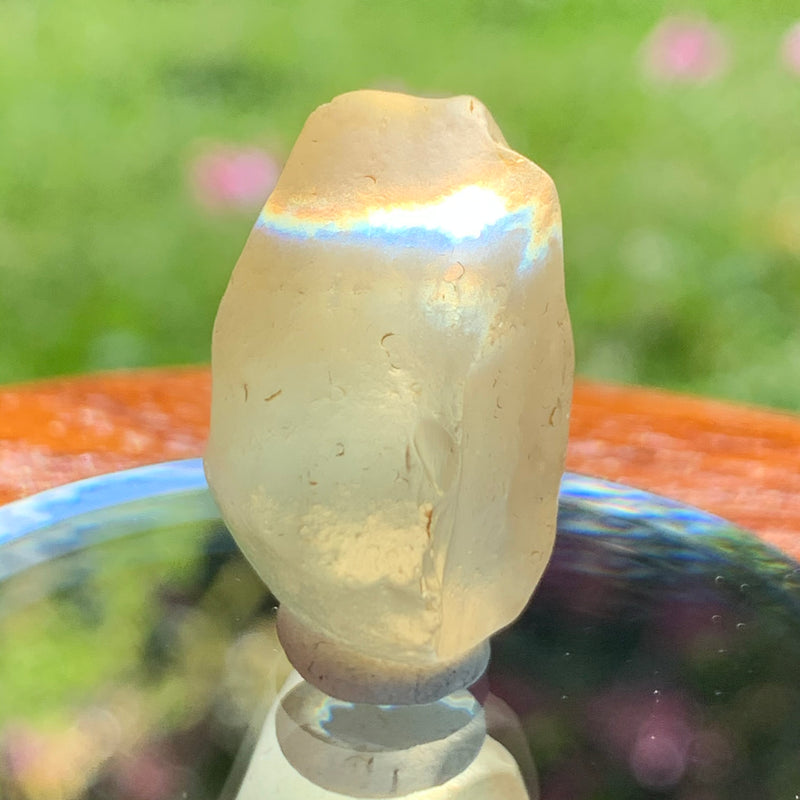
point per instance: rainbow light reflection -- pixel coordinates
(472, 213)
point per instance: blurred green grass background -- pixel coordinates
(681, 200)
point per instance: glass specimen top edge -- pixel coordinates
(63, 503)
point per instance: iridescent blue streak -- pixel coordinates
(361, 232)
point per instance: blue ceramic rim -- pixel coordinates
(65, 503)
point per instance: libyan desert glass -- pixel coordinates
(392, 374)
(139, 657)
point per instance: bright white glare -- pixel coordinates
(463, 214)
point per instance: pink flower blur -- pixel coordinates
(658, 757)
(147, 775)
(791, 49)
(21, 748)
(232, 178)
(685, 50)
(654, 732)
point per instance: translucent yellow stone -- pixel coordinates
(392, 373)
